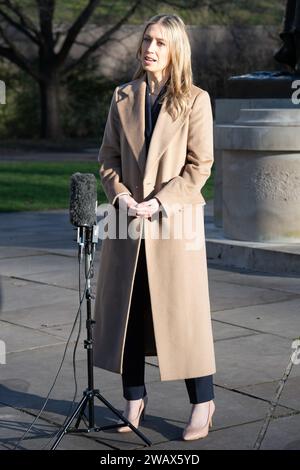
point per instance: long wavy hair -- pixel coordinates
(179, 86)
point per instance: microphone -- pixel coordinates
(83, 200)
(83, 213)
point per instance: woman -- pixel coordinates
(152, 292)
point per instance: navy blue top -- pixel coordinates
(151, 112)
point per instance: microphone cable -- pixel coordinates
(55, 434)
(79, 314)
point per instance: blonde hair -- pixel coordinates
(181, 77)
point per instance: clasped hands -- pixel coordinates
(144, 209)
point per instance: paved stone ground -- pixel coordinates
(255, 315)
(32, 155)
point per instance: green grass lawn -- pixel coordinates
(30, 186)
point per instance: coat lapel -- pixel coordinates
(163, 132)
(131, 105)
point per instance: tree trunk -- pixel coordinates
(50, 109)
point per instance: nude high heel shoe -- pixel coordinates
(191, 433)
(136, 421)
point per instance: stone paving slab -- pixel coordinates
(165, 423)
(24, 155)
(38, 264)
(290, 395)
(11, 252)
(282, 434)
(286, 283)
(13, 425)
(66, 279)
(20, 339)
(38, 229)
(266, 318)
(225, 296)
(27, 377)
(226, 331)
(24, 293)
(252, 360)
(56, 318)
(233, 408)
(72, 252)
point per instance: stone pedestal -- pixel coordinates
(257, 170)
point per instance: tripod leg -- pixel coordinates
(64, 430)
(134, 429)
(87, 236)
(80, 416)
(85, 419)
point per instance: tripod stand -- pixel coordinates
(87, 237)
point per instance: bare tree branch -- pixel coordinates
(15, 56)
(87, 45)
(103, 39)
(75, 29)
(211, 4)
(59, 30)
(25, 21)
(18, 26)
(46, 12)
(192, 4)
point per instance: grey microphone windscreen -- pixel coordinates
(83, 200)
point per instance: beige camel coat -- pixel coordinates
(178, 164)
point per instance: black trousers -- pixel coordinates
(200, 389)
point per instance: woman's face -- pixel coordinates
(155, 47)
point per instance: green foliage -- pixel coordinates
(208, 190)
(238, 12)
(265, 12)
(27, 186)
(87, 98)
(20, 116)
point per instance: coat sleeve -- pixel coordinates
(110, 156)
(184, 188)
